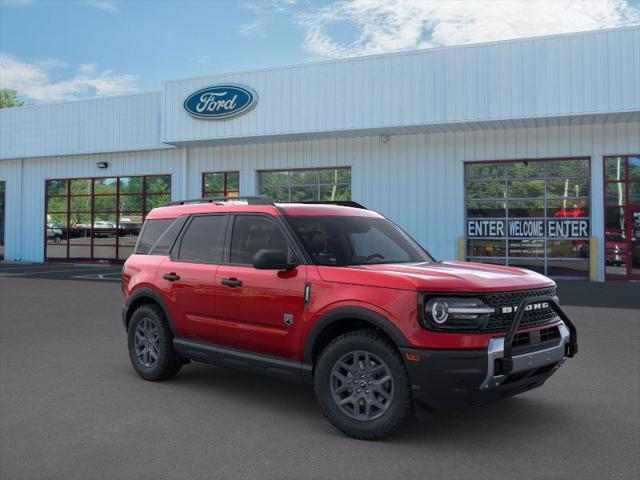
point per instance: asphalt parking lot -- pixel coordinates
(71, 406)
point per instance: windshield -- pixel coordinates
(341, 241)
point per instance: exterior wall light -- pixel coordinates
(384, 138)
(102, 164)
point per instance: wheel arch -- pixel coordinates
(144, 296)
(330, 322)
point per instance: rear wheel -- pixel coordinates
(362, 385)
(151, 344)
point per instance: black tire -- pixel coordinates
(167, 363)
(377, 345)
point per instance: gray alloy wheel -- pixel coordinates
(361, 385)
(147, 342)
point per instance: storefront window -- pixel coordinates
(306, 185)
(622, 217)
(2, 210)
(533, 214)
(221, 184)
(100, 218)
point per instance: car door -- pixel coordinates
(259, 310)
(188, 276)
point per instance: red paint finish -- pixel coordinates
(191, 298)
(253, 316)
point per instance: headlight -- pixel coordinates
(455, 313)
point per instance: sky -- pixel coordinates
(59, 50)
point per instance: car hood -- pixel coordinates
(438, 277)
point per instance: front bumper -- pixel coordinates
(445, 380)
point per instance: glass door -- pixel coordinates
(622, 217)
(634, 224)
(2, 189)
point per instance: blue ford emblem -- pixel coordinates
(220, 101)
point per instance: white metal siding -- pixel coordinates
(416, 180)
(11, 174)
(25, 206)
(90, 126)
(547, 77)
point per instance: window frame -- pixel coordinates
(292, 242)
(174, 253)
(289, 185)
(91, 212)
(506, 178)
(409, 238)
(3, 217)
(144, 228)
(226, 191)
(628, 207)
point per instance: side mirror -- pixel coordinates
(272, 260)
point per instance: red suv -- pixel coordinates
(336, 295)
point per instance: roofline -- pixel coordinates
(81, 100)
(414, 51)
(333, 61)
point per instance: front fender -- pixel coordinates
(352, 313)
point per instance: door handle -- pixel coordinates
(231, 282)
(172, 277)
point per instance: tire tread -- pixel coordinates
(169, 363)
(406, 402)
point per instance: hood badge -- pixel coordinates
(288, 319)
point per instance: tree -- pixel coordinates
(8, 98)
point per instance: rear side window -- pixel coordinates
(252, 233)
(203, 241)
(151, 233)
(168, 238)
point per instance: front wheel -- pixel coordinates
(362, 385)
(151, 344)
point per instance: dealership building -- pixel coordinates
(522, 152)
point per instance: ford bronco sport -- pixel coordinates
(337, 296)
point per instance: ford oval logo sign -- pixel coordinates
(220, 101)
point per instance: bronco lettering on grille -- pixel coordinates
(531, 306)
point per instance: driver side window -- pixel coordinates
(252, 233)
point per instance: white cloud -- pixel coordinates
(36, 81)
(104, 5)
(269, 6)
(51, 63)
(390, 25)
(264, 10)
(87, 68)
(252, 29)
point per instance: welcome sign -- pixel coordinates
(529, 228)
(220, 101)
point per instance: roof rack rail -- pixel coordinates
(341, 203)
(251, 200)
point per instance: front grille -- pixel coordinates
(536, 337)
(532, 318)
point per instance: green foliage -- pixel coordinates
(8, 98)
(307, 185)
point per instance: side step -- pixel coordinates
(243, 360)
